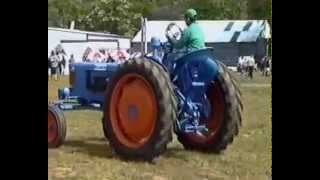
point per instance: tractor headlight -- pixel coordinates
(63, 93)
(66, 92)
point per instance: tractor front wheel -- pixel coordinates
(138, 110)
(56, 127)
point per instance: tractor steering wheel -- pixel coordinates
(173, 32)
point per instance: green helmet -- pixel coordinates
(190, 14)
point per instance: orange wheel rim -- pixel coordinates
(52, 127)
(133, 110)
(216, 117)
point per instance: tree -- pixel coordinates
(215, 9)
(116, 16)
(61, 13)
(259, 9)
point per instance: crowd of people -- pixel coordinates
(57, 64)
(105, 56)
(57, 60)
(247, 65)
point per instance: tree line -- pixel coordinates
(123, 16)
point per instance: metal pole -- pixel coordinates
(145, 36)
(142, 34)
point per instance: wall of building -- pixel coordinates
(229, 53)
(55, 37)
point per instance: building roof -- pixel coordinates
(214, 31)
(106, 34)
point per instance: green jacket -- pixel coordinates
(192, 38)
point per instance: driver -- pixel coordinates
(192, 37)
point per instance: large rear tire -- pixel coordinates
(56, 127)
(225, 119)
(138, 114)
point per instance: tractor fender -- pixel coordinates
(201, 60)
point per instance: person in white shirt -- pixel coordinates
(54, 65)
(267, 66)
(59, 59)
(245, 64)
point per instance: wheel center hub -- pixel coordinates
(133, 112)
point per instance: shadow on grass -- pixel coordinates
(176, 153)
(97, 149)
(97, 139)
(183, 154)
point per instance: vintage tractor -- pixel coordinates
(144, 100)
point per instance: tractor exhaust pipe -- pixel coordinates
(144, 43)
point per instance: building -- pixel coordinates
(230, 39)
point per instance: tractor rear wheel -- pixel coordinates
(56, 127)
(138, 116)
(225, 118)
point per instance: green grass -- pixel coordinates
(257, 78)
(87, 155)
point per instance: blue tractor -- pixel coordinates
(144, 100)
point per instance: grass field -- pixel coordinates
(87, 155)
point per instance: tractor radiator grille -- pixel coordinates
(72, 78)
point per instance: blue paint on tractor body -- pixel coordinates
(90, 80)
(191, 75)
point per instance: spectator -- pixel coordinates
(63, 65)
(251, 64)
(240, 64)
(263, 65)
(255, 58)
(267, 67)
(58, 63)
(54, 65)
(244, 65)
(110, 58)
(49, 67)
(86, 54)
(60, 66)
(71, 60)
